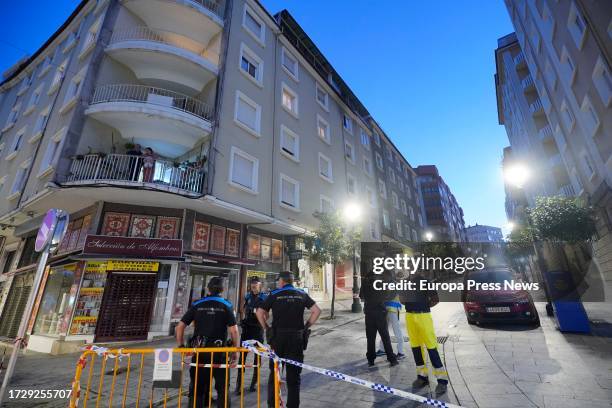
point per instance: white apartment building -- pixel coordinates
(554, 93)
(251, 131)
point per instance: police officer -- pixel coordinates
(286, 336)
(251, 329)
(212, 316)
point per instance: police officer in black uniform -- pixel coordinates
(251, 329)
(286, 336)
(212, 316)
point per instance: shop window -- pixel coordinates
(9, 257)
(55, 301)
(87, 307)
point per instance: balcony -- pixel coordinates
(545, 133)
(567, 191)
(126, 170)
(536, 108)
(527, 84)
(169, 122)
(519, 60)
(200, 20)
(158, 57)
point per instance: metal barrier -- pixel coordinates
(91, 388)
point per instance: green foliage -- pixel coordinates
(333, 240)
(520, 241)
(561, 219)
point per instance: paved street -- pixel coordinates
(501, 366)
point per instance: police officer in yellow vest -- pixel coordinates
(422, 335)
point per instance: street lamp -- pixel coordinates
(517, 174)
(352, 215)
(429, 236)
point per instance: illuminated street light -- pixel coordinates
(352, 212)
(429, 236)
(510, 226)
(516, 175)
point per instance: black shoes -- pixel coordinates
(440, 389)
(393, 363)
(370, 363)
(420, 382)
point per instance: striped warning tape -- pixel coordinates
(265, 351)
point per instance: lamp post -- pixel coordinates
(352, 215)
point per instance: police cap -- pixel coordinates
(287, 276)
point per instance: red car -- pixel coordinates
(497, 306)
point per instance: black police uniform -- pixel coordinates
(212, 316)
(287, 341)
(251, 329)
(376, 319)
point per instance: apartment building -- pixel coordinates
(554, 93)
(187, 139)
(483, 233)
(442, 214)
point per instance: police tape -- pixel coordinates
(223, 365)
(265, 351)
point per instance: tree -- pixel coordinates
(333, 243)
(561, 219)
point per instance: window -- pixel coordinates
(398, 163)
(9, 257)
(19, 181)
(400, 184)
(568, 68)
(394, 200)
(603, 82)
(24, 85)
(590, 116)
(351, 184)
(12, 117)
(289, 193)
(289, 100)
(373, 229)
(325, 168)
(347, 123)
(404, 207)
(34, 100)
(323, 130)
(253, 25)
(326, 204)
(398, 227)
(244, 170)
(420, 217)
(367, 166)
(392, 176)
(411, 212)
(370, 196)
(382, 188)
(45, 66)
(73, 91)
(48, 160)
(17, 143)
(389, 153)
(376, 139)
(567, 116)
(349, 151)
(587, 165)
(365, 139)
(289, 63)
(57, 78)
(379, 161)
(576, 26)
(247, 114)
(290, 144)
(322, 97)
(386, 219)
(90, 38)
(40, 124)
(550, 75)
(415, 235)
(251, 65)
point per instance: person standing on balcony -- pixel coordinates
(135, 161)
(148, 164)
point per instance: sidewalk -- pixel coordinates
(527, 367)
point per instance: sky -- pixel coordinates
(423, 69)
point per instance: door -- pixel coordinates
(15, 305)
(125, 313)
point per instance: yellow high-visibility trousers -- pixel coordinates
(420, 330)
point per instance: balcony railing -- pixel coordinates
(545, 132)
(162, 175)
(151, 95)
(567, 191)
(212, 5)
(143, 33)
(527, 83)
(536, 107)
(519, 60)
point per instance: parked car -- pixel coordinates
(497, 306)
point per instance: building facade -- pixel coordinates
(442, 214)
(483, 233)
(554, 92)
(187, 139)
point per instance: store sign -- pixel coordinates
(132, 266)
(136, 247)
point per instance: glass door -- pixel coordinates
(159, 320)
